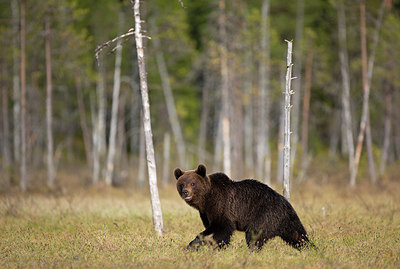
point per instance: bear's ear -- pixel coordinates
(178, 172)
(201, 170)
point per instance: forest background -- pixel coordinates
(183, 54)
(71, 127)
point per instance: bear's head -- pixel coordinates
(193, 185)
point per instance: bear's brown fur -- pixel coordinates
(247, 205)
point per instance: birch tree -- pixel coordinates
(16, 83)
(287, 132)
(151, 164)
(114, 109)
(6, 160)
(226, 136)
(263, 151)
(23, 175)
(169, 100)
(49, 115)
(344, 68)
(366, 90)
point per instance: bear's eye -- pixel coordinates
(192, 184)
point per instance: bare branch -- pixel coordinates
(106, 44)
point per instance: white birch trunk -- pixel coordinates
(344, 68)
(114, 116)
(23, 174)
(6, 158)
(287, 107)
(263, 151)
(49, 116)
(387, 128)
(151, 163)
(171, 108)
(16, 84)
(142, 155)
(226, 136)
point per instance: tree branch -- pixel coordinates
(106, 44)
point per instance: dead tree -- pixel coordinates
(151, 162)
(344, 68)
(287, 107)
(49, 114)
(23, 174)
(226, 136)
(366, 90)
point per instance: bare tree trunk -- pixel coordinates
(99, 129)
(171, 108)
(203, 118)
(166, 172)
(387, 128)
(142, 156)
(248, 114)
(286, 147)
(83, 123)
(151, 163)
(365, 107)
(218, 143)
(16, 84)
(298, 59)
(6, 129)
(344, 68)
(306, 108)
(23, 175)
(371, 60)
(49, 116)
(226, 136)
(263, 151)
(114, 115)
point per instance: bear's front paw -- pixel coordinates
(195, 244)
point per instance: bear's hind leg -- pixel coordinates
(256, 239)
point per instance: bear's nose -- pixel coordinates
(185, 192)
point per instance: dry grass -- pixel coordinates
(113, 229)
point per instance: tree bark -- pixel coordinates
(49, 115)
(287, 106)
(99, 129)
(344, 68)
(151, 163)
(248, 114)
(366, 89)
(16, 84)
(387, 127)
(23, 174)
(6, 162)
(114, 115)
(226, 136)
(263, 151)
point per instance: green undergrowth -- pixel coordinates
(113, 229)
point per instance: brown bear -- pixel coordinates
(248, 205)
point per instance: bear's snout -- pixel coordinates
(185, 192)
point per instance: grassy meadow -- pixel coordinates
(112, 228)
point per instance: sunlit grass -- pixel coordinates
(360, 228)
